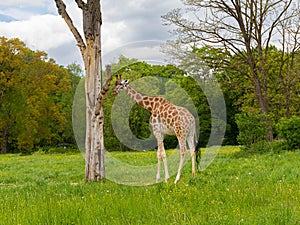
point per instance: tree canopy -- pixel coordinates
(35, 98)
(252, 46)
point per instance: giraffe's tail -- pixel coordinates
(198, 155)
(197, 148)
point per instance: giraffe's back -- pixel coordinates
(171, 119)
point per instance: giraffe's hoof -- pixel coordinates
(157, 179)
(177, 179)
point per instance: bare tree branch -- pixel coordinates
(61, 7)
(277, 20)
(244, 27)
(81, 4)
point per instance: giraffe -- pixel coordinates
(169, 119)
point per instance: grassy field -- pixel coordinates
(50, 189)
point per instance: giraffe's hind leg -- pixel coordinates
(182, 144)
(191, 143)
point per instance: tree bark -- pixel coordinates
(90, 49)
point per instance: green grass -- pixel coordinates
(49, 189)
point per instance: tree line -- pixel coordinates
(253, 48)
(36, 98)
(245, 123)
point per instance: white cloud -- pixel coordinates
(131, 21)
(16, 13)
(21, 3)
(113, 35)
(41, 32)
(24, 9)
(146, 50)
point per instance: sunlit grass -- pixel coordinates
(50, 189)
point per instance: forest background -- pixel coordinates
(36, 100)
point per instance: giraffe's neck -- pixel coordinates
(139, 98)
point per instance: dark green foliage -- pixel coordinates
(157, 80)
(282, 82)
(153, 83)
(139, 122)
(289, 129)
(262, 147)
(67, 98)
(253, 134)
(252, 129)
(202, 109)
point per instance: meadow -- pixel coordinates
(234, 189)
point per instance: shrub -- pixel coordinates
(252, 129)
(289, 129)
(262, 147)
(266, 147)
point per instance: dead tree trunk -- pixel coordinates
(90, 48)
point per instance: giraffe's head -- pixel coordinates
(119, 85)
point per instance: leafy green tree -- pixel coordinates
(282, 84)
(194, 97)
(252, 129)
(67, 98)
(79, 115)
(11, 99)
(166, 80)
(32, 86)
(284, 93)
(201, 63)
(246, 29)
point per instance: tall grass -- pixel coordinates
(49, 189)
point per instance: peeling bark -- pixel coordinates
(90, 49)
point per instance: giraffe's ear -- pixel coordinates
(126, 81)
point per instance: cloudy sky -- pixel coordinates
(130, 27)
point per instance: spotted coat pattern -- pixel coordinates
(166, 118)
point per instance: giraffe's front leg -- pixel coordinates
(161, 154)
(182, 156)
(164, 157)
